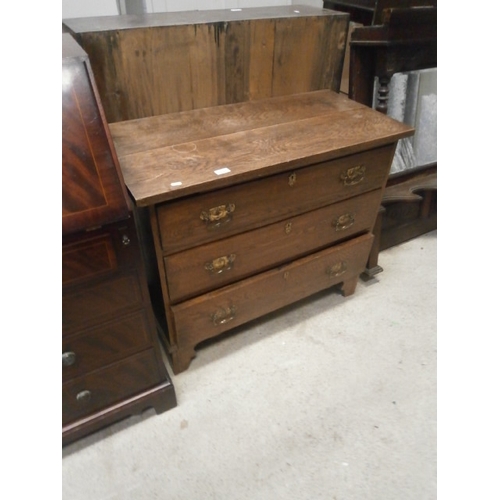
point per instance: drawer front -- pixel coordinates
(208, 315)
(88, 259)
(100, 253)
(87, 306)
(105, 344)
(85, 395)
(213, 265)
(208, 217)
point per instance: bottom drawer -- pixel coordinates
(208, 315)
(107, 386)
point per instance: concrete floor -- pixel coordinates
(334, 398)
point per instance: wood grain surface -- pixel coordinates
(243, 140)
(169, 62)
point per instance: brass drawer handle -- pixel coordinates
(343, 222)
(223, 315)
(337, 269)
(221, 264)
(353, 175)
(218, 216)
(84, 397)
(68, 358)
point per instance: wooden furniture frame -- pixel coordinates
(400, 35)
(112, 365)
(265, 204)
(255, 183)
(154, 64)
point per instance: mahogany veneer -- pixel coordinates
(112, 363)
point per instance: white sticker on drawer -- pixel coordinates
(221, 171)
(175, 184)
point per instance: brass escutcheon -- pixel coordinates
(353, 175)
(337, 269)
(221, 264)
(223, 315)
(343, 222)
(218, 216)
(292, 178)
(288, 228)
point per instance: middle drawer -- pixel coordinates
(204, 268)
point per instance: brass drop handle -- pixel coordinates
(84, 397)
(353, 175)
(336, 269)
(125, 240)
(223, 315)
(221, 264)
(218, 216)
(68, 358)
(343, 222)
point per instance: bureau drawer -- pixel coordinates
(105, 344)
(85, 395)
(207, 217)
(100, 253)
(108, 299)
(219, 263)
(215, 312)
(88, 259)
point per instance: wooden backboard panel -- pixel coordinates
(163, 63)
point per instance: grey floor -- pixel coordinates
(334, 398)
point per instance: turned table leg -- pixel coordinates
(383, 93)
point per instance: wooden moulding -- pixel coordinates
(156, 64)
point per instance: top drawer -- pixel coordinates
(207, 217)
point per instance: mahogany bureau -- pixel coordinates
(111, 362)
(249, 207)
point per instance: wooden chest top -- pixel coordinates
(162, 19)
(174, 155)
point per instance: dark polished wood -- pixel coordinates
(274, 200)
(92, 185)
(371, 12)
(406, 41)
(161, 63)
(400, 36)
(111, 357)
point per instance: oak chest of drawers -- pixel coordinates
(249, 207)
(112, 365)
